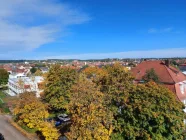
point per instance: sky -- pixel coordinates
(92, 29)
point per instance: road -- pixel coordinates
(9, 132)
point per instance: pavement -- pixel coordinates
(8, 131)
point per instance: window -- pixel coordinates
(182, 88)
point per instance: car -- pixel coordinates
(58, 123)
(63, 117)
(2, 137)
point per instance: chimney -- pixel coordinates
(167, 63)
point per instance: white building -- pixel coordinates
(184, 72)
(19, 83)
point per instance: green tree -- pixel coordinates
(116, 84)
(90, 118)
(3, 77)
(151, 75)
(33, 70)
(151, 112)
(58, 85)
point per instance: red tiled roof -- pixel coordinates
(171, 87)
(19, 70)
(166, 74)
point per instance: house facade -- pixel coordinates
(19, 84)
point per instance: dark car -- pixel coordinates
(58, 123)
(2, 137)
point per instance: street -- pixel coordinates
(9, 132)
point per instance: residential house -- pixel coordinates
(44, 69)
(169, 76)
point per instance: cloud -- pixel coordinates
(159, 53)
(164, 30)
(29, 24)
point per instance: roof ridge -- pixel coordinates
(168, 72)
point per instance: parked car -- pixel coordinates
(63, 117)
(58, 123)
(2, 137)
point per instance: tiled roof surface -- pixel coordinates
(166, 74)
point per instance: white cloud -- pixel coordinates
(159, 53)
(28, 24)
(164, 30)
(152, 30)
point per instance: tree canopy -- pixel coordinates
(90, 118)
(31, 112)
(33, 70)
(151, 112)
(104, 103)
(151, 75)
(58, 85)
(3, 77)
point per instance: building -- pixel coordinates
(184, 72)
(19, 83)
(182, 67)
(169, 76)
(44, 69)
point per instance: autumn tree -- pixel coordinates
(58, 85)
(48, 131)
(151, 75)
(38, 73)
(3, 77)
(96, 74)
(151, 112)
(32, 113)
(90, 118)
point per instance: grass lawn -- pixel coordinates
(2, 96)
(3, 106)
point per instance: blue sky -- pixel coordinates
(86, 29)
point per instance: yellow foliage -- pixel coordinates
(32, 113)
(49, 131)
(30, 110)
(90, 119)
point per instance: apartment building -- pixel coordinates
(19, 83)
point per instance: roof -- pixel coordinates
(44, 68)
(166, 74)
